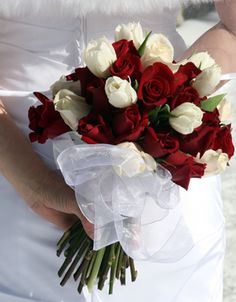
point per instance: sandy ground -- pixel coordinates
(190, 31)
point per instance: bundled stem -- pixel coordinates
(66, 238)
(114, 268)
(104, 275)
(89, 266)
(71, 253)
(123, 270)
(121, 254)
(83, 264)
(133, 271)
(95, 269)
(83, 249)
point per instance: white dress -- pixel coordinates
(37, 46)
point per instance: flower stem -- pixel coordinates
(133, 271)
(119, 263)
(85, 271)
(82, 266)
(75, 241)
(123, 270)
(68, 232)
(108, 265)
(67, 237)
(62, 245)
(104, 262)
(114, 268)
(95, 270)
(82, 250)
(91, 265)
(71, 255)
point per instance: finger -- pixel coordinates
(88, 227)
(60, 219)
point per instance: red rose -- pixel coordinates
(45, 121)
(159, 144)
(94, 129)
(124, 47)
(128, 124)
(201, 140)
(187, 94)
(127, 65)
(92, 89)
(72, 77)
(224, 141)
(182, 168)
(156, 85)
(85, 76)
(186, 73)
(96, 96)
(211, 118)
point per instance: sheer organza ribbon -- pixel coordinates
(141, 211)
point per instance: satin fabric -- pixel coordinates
(34, 53)
(57, 8)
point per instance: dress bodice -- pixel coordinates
(52, 46)
(38, 48)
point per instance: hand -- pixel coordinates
(55, 202)
(44, 191)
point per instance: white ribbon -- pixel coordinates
(141, 211)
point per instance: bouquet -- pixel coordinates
(138, 126)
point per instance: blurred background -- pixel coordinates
(192, 22)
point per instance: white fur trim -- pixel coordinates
(82, 7)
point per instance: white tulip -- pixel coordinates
(206, 82)
(158, 49)
(62, 83)
(131, 31)
(175, 66)
(185, 118)
(202, 60)
(99, 56)
(71, 107)
(120, 93)
(216, 161)
(225, 111)
(137, 164)
(150, 163)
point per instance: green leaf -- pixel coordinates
(165, 109)
(159, 114)
(164, 112)
(211, 103)
(153, 115)
(135, 85)
(143, 45)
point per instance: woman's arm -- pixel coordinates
(220, 41)
(44, 191)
